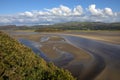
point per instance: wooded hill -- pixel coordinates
(80, 26)
(66, 26)
(18, 62)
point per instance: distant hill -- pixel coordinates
(17, 62)
(13, 27)
(6, 27)
(82, 26)
(67, 26)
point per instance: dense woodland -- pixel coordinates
(18, 62)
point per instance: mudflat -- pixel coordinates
(107, 36)
(88, 55)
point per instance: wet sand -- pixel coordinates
(106, 55)
(87, 59)
(106, 36)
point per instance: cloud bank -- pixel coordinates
(62, 14)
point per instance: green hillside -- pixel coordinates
(78, 26)
(17, 62)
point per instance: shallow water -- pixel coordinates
(104, 54)
(43, 39)
(35, 47)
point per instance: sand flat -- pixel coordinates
(93, 59)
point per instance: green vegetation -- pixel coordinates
(17, 62)
(50, 29)
(80, 26)
(66, 26)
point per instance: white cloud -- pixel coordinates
(5, 20)
(108, 11)
(42, 13)
(65, 10)
(27, 14)
(61, 11)
(78, 10)
(62, 14)
(94, 11)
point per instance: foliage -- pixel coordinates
(49, 30)
(17, 62)
(66, 26)
(82, 26)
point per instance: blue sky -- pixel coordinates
(15, 6)
(32, 11)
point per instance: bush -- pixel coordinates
(17, 62)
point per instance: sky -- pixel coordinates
(32, 12)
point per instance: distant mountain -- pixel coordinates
(82, 26)
(69, 26)
(5, 27)
(14, 27)
(17, 62)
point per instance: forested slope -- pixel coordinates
(79, 26)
